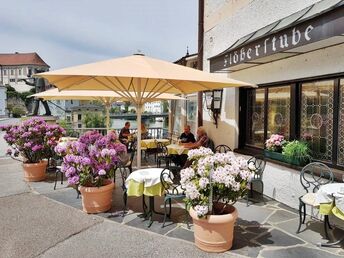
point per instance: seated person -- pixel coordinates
(124, 134)
(202, 140)
(187, 135)
(144, 132)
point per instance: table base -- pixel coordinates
(149, 213)
(333, 244)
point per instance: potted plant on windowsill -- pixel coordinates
(213, 183)
(89, 164)
(274, 146)
(31, 142)
(297, 153)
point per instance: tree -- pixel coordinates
(94, 120)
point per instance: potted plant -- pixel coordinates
(274, 146)
(297, 153)
(212, 184)
(89, 164)
(31, 142)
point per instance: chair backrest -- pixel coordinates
(222, 148)
(161, 150)
(124, 174)
(210, 144)
(168, 175)
(314, 175)
(259, 163)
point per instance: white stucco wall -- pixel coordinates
(3, 98)
(281, 183)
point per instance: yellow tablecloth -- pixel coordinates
(152, 143)
(330, 208)
(138, 189)
(175, 149)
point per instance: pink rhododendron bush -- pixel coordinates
(32, 140)
(91, 159)
(275, 143)
(214, 178)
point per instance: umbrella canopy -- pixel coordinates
(106, 97)
(144, 76)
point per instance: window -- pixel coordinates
(19, 71)
(255, 117)
(12, 71)
(79, 117)
(5, 72)
(317, 117)
(278, 111)
(191, 112)
(309, 110)
(12, 80)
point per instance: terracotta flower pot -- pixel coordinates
(34, 172)
(97, 199)
(215, 232)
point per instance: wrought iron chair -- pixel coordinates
(162, 155)
(129, 164)
(258, 163)
(124, 171)
(222, 148)
(170, 181)
(313, 176)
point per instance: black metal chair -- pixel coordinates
(170, 180)
(162, 155)
(313, 176)
(129, 164)
(125, 172)
(257, 163)
(222, 148)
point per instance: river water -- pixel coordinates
(152, 123)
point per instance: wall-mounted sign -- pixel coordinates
(321, 27)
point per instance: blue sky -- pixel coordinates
(71, 32)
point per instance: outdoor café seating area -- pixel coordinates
(142, 198)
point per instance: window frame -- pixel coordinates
(295, 116)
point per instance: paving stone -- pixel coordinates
(155, 227)
(182, 233)
(257, 230)
(244, 247)
(281, 216)
(298, 251)
(252, 213)
(278, 238)
(285, 207)
(66, 196)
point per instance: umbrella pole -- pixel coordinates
(107, 108)
(138, 112)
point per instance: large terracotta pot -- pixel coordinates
(34, 172)
(215, 232)
(97, 199)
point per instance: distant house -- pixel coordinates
(3, 100)
(17, 66)
(78, 113)
(153, 107)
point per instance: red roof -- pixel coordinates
(22, 59)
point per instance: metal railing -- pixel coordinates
(153, 132)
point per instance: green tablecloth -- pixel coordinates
(138, 189)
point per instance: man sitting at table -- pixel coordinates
(202, 140)
(187, 135)
(124, 134)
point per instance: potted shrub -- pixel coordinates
(274, 146)
(297, 153)
(212, 184)
(89, 164)
(31, 142)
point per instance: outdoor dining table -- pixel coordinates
(330, 198)
(175, 149)
(146, 182)
(153, 143)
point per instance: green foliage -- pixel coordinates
(94, 120)
(164, 106)
(126, 106)
(18, 111)
(67, 126)
(297, 149)
(115, 110)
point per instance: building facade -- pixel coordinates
(293, 51)
(18, 66)
(153, 107)
(3, 101)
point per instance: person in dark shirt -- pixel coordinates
(124, 134)
(187, 136)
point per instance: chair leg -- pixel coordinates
(326, 223)
(170, 203)
(304, 213)
(61, 177)
(262, 183)
(56, 175)
(300, 216)
(165, 212)
(187, 216)
(125, 200)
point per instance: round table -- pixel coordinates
(175, 149)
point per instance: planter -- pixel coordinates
(34, 172)
(297, 161)
(274, 155)
(215, 232)
(97, 199)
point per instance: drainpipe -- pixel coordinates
(200, 58)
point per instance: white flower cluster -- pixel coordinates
(201, 210)
(186, 175)
(201, 152)
(191, 191)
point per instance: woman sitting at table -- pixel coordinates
(202, 140)
(144, 132)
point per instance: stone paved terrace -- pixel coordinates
(39, 221)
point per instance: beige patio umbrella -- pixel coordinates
(106, 97)
(146, 77)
